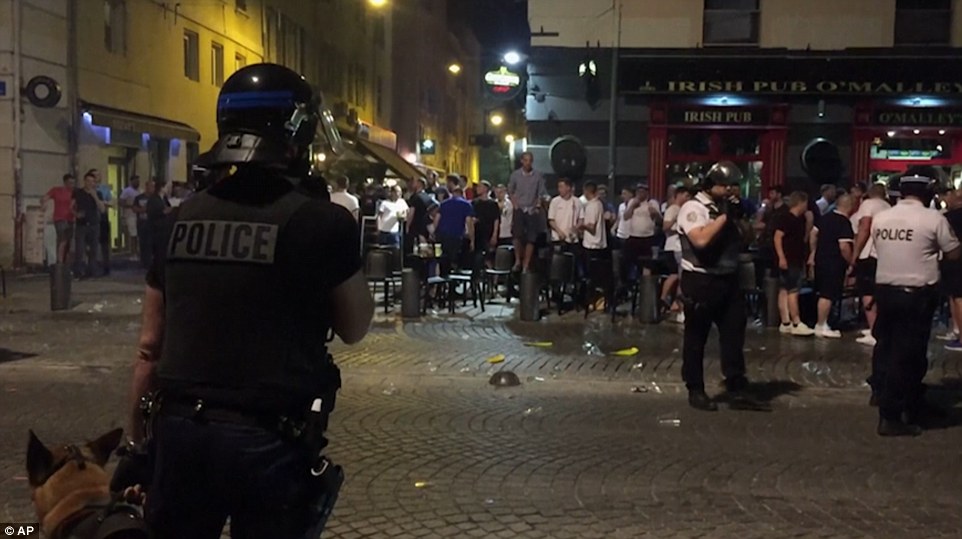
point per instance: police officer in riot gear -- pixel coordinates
(908, 240)
(236, 319)
(711, 243)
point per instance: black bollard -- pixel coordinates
(59, 287)
(648, 299)
(772, 317)
(530, 297)
(410, 293)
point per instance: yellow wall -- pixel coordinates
(793, 24)
(827, 24)
(149, 78)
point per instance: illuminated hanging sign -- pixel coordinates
(502, 83)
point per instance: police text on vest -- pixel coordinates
(227, 241)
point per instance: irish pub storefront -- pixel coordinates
(797, 119)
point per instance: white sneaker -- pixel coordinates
(950, 336)
(802, 330)
(680, 318)
(867, 340)
(826, 332)
(785, 329)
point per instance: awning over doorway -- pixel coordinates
(140, 123)
(397, 165)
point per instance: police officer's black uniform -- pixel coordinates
(245, 382)
(908, 239)
(712, 293)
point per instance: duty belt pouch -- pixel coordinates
(327, 479)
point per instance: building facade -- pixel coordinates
(435, 108)
(795, 93)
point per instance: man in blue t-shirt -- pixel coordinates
(454, 221)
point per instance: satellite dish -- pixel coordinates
(821, 161)
(568, 157)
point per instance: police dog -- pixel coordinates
(71, 491)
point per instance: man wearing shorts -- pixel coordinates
(788, 241)
(833, 247)
(680, 196)
(63, 215)
(866, 262)
(527, 190)
(127, 197)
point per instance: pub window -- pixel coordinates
(191, 55)
(115, 26)
(731, 22)
(923, 22)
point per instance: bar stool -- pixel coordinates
(377, 269)
(561, 274)
(503, 265)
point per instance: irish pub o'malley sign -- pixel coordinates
(791, 75)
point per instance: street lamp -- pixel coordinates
(455, 68)
(509, 138)
(377, 3)
(497, 119)
(512, 57)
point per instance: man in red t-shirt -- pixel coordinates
(63, 215)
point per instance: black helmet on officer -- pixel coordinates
(267, 115)
(719, 178)
(918, 181)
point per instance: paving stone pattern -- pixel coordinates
(432, 450)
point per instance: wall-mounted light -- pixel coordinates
(916, 131)
(891, 134)
(821, 108)
(941, 131)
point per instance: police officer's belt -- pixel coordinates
(205, 411)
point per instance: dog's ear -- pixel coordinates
(105, 445)
(39, 461)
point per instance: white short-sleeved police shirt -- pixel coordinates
(908, 240)
(869, 208)
(694, 214)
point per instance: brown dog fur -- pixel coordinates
(63, 495)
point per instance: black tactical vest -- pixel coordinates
(720, 256)
(238, 331)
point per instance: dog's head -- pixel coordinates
(67, 477)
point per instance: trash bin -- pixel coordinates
(530, 308)
(60, 287)
(648, 299)
(410, 293)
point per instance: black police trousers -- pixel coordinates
(718, 300)
(899, 361)
(205, 472)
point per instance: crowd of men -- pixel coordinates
(81, 220)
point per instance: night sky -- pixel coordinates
(500, 25)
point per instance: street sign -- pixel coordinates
(503, 83)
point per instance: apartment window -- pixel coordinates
(379, 32)
(216, 64)
(191, 55)
(239, 61)
(115, 26)
(379, 97)
(923, 22)
(731, 22)
(362, 87)
(240, 5)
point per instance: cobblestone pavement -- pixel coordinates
(432, 450)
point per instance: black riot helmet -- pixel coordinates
(267, 115)
(721, 173)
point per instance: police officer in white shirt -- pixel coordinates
(564, 216)
(908, 240)
(711, 242)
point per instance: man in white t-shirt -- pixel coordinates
(673, 246)
(621, 229)
(341, 197)
(865, 262)
(390, 214)
(127, 197)
(564, 216)
(505, 236)
(643, 217)
(595, 242)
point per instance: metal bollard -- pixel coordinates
(410, 293)
(60, 287)
(648, 299)
(530, 308)
(772, 317)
